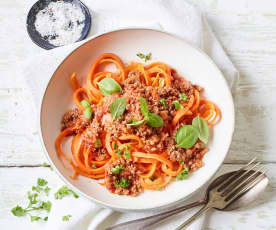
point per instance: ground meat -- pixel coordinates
(128, 172)
(97, 153)
(74, 119)
(192, 157)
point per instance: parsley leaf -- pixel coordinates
(183, 174)
(177, 105)
(117, 169)
(98, 143)
(35, 203)
(46, 165)
(163, 102)
(35, 218)
(124, 183)
(159, 188)
(146, 57)
(127, 153)
(65, 191)
(66, 218)
(46, 206)
(41, 182)
(183, 96)
(18, 211)
(181, 162)
(118, 152)
(93, 166)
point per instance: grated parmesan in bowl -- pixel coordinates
(60, 23)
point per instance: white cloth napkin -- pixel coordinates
(175, 16)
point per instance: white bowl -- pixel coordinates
(190, 62)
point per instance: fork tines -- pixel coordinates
(241, 181)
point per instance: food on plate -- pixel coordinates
(138, 128)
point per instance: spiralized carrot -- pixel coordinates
(79, 95)
(156, 168)
(74, 82)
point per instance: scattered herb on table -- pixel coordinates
(66, 218)
(35, 202)
(47, 165)
(65, 191)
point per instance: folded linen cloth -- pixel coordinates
(175, 16)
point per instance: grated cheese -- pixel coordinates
(60, 23)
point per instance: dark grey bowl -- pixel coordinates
(40, 5)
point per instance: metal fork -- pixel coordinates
(232, 188)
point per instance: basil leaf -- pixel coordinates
(136, 123)
(154, 120)
(202, 127)
(108, 86)
(88, 113)
(117, 107)
(144, 106)
(85, 103)
(186, 136)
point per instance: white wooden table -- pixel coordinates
(247, 30)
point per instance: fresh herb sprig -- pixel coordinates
(152, 119)
(35, 202)
(187, 135)
(146, 57)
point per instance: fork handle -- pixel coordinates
(194, 217)
(144, 223)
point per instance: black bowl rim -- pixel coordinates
(46, 45)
